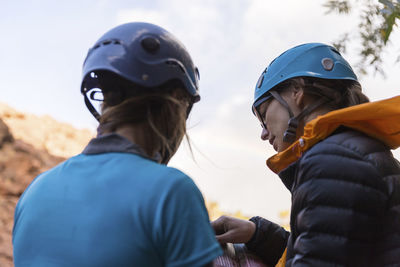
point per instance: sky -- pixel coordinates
(44, 43)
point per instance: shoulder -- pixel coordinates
(348, 156)
(348, 143)
(177, 180)
(127, 164)
(179, 183)
(349, 147)
(163, 179)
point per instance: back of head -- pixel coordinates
(147, 79)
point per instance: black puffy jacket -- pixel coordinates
(345, 206)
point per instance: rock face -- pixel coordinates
(20, 162)
(45, 133)
(29, 145)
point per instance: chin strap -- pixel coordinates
(278, 97)
(290, 134)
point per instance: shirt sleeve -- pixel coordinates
(186, 237)
(269, 240)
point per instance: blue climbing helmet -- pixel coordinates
(315, 60)
(307, 60)
(142, 53)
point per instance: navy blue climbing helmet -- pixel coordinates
(307, 60)
(143, 53)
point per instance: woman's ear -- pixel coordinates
(298, 96)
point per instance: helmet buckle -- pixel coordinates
(290, 134)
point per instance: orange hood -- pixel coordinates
(380, 120)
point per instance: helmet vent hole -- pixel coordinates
(176, 64)
(96, 95)
(337, 52)
(107, 42)
(260, 81)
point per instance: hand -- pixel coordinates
(233, 230)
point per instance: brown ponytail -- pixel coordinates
(160, 113)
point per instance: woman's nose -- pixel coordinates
(264, 134)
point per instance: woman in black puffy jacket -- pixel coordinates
(334, 157)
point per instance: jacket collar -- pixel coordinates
(379, 120)
(287, 175)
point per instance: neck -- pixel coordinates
(318, 112)
(136, 134)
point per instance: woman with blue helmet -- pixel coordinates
(117, 203)
(334, 157)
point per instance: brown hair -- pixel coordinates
(340, 93)
(159, 113)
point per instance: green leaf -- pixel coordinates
(390, 21)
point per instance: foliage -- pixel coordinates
(377, 21)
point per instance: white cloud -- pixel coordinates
(229, 107)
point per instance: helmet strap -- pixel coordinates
(278, 97)
(289, 136)
(291, 132)
(90, 107)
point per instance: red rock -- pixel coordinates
(29, 145)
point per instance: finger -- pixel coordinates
(219, 225)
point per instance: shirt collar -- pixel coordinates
(112, 142)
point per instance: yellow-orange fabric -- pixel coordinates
(380, 120)
(282, 260)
